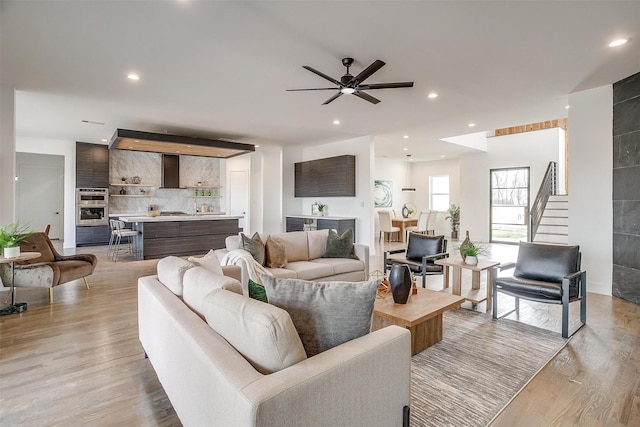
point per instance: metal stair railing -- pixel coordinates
(548, 188)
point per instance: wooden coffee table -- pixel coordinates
(421, 315)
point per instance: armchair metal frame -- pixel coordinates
(388, 262)
(579, 277)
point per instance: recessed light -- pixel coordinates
(405, 149)
(133, 76)
(257, 146)
(442, 156)
(103, 140)
(472, 125)
(432, 95)
(188, 146)
(618, 42)
(406, 137)
(567, 107)
(336, 122)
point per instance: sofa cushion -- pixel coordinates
(254, 246)
(209, 262)
(282, 273)
(317, 243)
(171, 271)
(275, 253)
(296, 245)
(326, 314)
(257, 292)
(342, 265)
(264, 334)
(308, 270)
(340, 246)
(198, 282)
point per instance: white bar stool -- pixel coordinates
(118, 233)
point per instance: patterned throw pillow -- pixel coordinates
(256, 291)
(325, 314)
(254, 246)
(340, 246)
(276, 254)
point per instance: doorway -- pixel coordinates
(509, 205)
(239, 197)
(40, 192)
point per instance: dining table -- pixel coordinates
(403, 223)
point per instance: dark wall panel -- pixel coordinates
(626, 189)
(331, 177)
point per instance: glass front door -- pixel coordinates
(509, 205)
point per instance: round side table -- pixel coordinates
(21, 306)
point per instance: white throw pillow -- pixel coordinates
(264, 334)
(171, 271)
(209, 261)
(325, 314)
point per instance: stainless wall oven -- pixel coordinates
(92, 206)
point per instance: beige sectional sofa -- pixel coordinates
(305, 251)
(362, 382)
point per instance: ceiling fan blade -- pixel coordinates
(323, 75)
(366, 97)
(386, 85)
(334, 97)
(319, 88)
(367, 72)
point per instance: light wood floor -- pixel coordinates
(79, 362)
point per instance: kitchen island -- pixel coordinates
(180, 235)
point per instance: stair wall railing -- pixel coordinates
(548, 188)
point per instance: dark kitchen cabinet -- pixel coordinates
(92, 165)
(92, 236)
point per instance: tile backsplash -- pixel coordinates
(148, 167)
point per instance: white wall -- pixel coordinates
(360, 207)
(420, 173)
(7, 155)
(68, 150)
(529, 149)
(590, 183)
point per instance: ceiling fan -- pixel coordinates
(354, 85)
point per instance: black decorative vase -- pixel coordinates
(400, 282)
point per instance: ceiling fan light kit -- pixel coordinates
(354, 85)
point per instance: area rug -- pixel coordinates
(477, 368)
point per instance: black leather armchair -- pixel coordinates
(421, 253)
(549, 274)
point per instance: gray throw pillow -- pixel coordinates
(340, 246)
(325, 314)
(254, 246)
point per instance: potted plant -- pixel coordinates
(10, 238)
(321, 207)
(454, 217)
(470, 252)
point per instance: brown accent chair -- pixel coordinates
(50, 269)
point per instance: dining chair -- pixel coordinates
(385, 225)
(421, 227)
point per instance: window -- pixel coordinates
(439, 192)
(509, 205)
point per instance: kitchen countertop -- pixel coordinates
(171, 218)
(320, 217)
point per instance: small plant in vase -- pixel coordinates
(321, 207)
(10, 238)
(470, 252)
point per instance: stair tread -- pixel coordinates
(551, 234)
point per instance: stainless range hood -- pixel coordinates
(124, 139)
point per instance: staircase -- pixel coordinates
(554, 223)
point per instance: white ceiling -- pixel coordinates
(221, 68)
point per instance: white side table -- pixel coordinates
(21, 306)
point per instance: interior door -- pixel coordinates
(40, 192)
(239, 197)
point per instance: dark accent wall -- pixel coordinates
(331, 177)
(626, 189)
